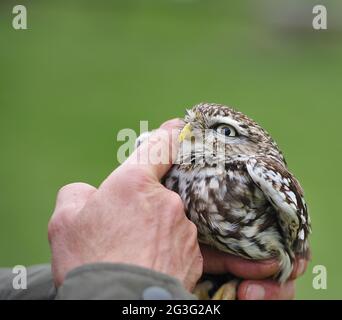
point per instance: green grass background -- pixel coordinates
(86, 69)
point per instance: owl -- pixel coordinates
(236, 188)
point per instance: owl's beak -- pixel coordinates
(185, 133)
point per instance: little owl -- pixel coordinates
(236, 188)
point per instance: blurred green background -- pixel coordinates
(86, 69)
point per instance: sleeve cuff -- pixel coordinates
(106, 281)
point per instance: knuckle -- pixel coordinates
(193, 228)
(61, 218)
(192, 234)
(135, 178)
(175, 202)
(53, 229)
(141, 180)
(71, 187)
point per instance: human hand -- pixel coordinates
(258, 285)
(131, 218)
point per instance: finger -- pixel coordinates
(266, 290)
(74, 196)
(217, 262)
(299, 267)
(156, 155)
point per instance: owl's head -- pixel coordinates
(216, 131)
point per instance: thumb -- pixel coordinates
(155, 156)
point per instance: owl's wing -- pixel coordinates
(285, 194)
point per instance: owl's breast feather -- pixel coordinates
(230, 212)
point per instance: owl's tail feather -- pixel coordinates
(286, 266)
(302, 249)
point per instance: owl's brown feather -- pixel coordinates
(236, 187)
(238, 190)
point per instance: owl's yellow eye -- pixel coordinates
(226, 130)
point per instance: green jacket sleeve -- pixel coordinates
(95, 281)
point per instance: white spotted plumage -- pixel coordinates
(238, 191)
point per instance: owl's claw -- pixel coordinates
(227, 291)
(202, 289)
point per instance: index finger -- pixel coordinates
(217, 262)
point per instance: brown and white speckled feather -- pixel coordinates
(238, 190)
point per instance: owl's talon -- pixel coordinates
(228, 291)
(202, 289)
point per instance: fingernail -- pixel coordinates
(301, 266)
(255, 292)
